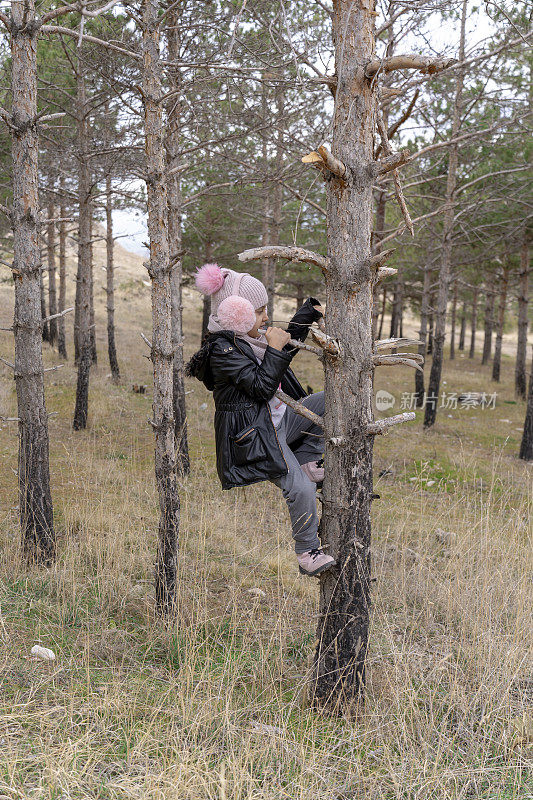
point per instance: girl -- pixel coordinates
(257, 436)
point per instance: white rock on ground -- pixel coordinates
(43, 652)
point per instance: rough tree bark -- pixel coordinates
(473, 322)
(488, 326)
(159, 269)
(35, 500)
(496, 364)
(345, 590)
(110, 281)
(51, 260)
(523, 297)
(174, 111)
(526, 445)
(439, 336)
(84, 275)
(61, 337)
(92, 323)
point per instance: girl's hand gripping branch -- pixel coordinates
(277, 338)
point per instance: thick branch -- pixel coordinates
(290, 253)
(428, 66)
(324, 341)
(300, 409)
(384, 344)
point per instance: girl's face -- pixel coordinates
(261, 317)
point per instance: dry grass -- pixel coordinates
(214, 707)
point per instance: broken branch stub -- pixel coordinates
(333, 164)
(381, 426)
(328, 345)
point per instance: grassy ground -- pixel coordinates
(215, 706)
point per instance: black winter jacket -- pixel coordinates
(247, 445)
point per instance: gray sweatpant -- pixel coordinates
(298, 490)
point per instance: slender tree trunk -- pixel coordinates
(110, 281)
(35, 500)
(51, 258)
(496, 364)
(431, 319)
(474, 323)
(174, 110)
(300, 297)
(422, 333)
(439, 336)
(159, 269)
(488, 325)
(523, 298)
(266, 263)
(453, 321)
(526, 445)
(44, 313)
(345, 589)
(383, 309)
(277, 192)
(92, 325)
(206, 308)
(84, 258)
(462, 332)
(396, 306)
(61, 337)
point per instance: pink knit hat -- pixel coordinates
(235, 296)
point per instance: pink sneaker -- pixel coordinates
(313, 562)
(313, 471)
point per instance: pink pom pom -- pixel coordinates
(209, 279)
(236, 314)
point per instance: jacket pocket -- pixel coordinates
(248, 446)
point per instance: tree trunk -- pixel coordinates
(383, 309)
(206, 307)
(462, 332)
(439, 336)
(61, 338)
(523, 297)
(526, 446)
(44, 313)
(342, 634)
(159, 269)
(110, 282)
(488, 325)
(51, 259)
(496, 364)
(396, 306)
(453, 321)
(83, 287)
(174, 110)
(92, 325)
(300, 297)
(431, 319)
(474, 323)
(423, 332)
(35, 500)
